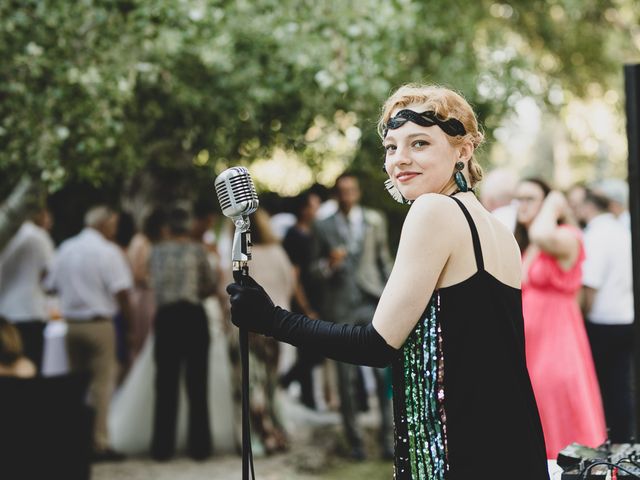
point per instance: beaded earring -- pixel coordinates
(394, 192)
(458, 177)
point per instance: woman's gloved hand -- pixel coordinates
(251, 307)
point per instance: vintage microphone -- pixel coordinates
(238, 199)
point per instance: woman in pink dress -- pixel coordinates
(558, 353)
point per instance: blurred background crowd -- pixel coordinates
(116, 116)
(143, 311)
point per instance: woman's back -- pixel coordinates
(180, 272)
(445, 396)
(272, 268)
(500, 251)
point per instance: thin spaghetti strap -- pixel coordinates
(477, 249)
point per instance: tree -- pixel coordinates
(99, 90)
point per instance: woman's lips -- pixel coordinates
(406, 176)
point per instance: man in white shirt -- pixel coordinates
(23, 265)
(497, 195)
(92, 280)
(607, 303)
(617, 191)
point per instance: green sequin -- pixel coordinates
(424, 395)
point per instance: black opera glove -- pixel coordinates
(251, 308)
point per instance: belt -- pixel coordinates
(97, 318)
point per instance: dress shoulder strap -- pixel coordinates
(477, 249)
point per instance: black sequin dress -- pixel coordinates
(463, 403)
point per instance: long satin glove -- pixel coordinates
(251, 308)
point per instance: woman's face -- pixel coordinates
(419, 159)
(530, 197)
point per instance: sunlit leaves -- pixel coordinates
(99, 89)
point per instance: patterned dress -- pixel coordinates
(463, 403)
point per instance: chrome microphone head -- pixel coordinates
(238, 199)
(236, 192)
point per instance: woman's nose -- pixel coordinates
(401, 157)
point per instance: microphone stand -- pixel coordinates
(241, 253)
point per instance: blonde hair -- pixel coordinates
(446, 104)
(261, 232)
(10, 343)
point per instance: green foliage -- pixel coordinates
(96, 90)
(63, 88)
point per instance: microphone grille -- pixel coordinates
(243, 188)
(236, 193)
(223, 196)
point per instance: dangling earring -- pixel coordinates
(458, 177)
(394, 192)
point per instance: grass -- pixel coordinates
(370, 470)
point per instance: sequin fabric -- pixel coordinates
(420, 420)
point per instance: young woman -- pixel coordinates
(558, 353)
(450, 318)
(272, 268)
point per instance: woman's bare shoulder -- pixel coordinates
(433, 207)
(434, 226)
(25, 368)
(22, 368)
(431, 200)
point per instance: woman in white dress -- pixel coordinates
(131, 414)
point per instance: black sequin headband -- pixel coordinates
(452, 126)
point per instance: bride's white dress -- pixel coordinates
(131, 415)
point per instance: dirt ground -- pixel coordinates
(279, 467)
(318, 452)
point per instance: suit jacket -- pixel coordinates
(350, 292)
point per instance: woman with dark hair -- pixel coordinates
(181, 278)
(558, 354)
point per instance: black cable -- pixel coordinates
(583, 474)
(629, 460)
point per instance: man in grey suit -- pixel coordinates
(351, 258)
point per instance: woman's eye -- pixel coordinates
(389, 148)
(420, 143)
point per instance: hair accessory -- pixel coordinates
(458, 177)
(451, 126)
(394, 192)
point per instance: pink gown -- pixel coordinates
(559, 356)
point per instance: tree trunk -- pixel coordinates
(21, 203)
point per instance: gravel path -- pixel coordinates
(316, 452)
(218, 468)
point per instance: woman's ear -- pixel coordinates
(465, 152)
